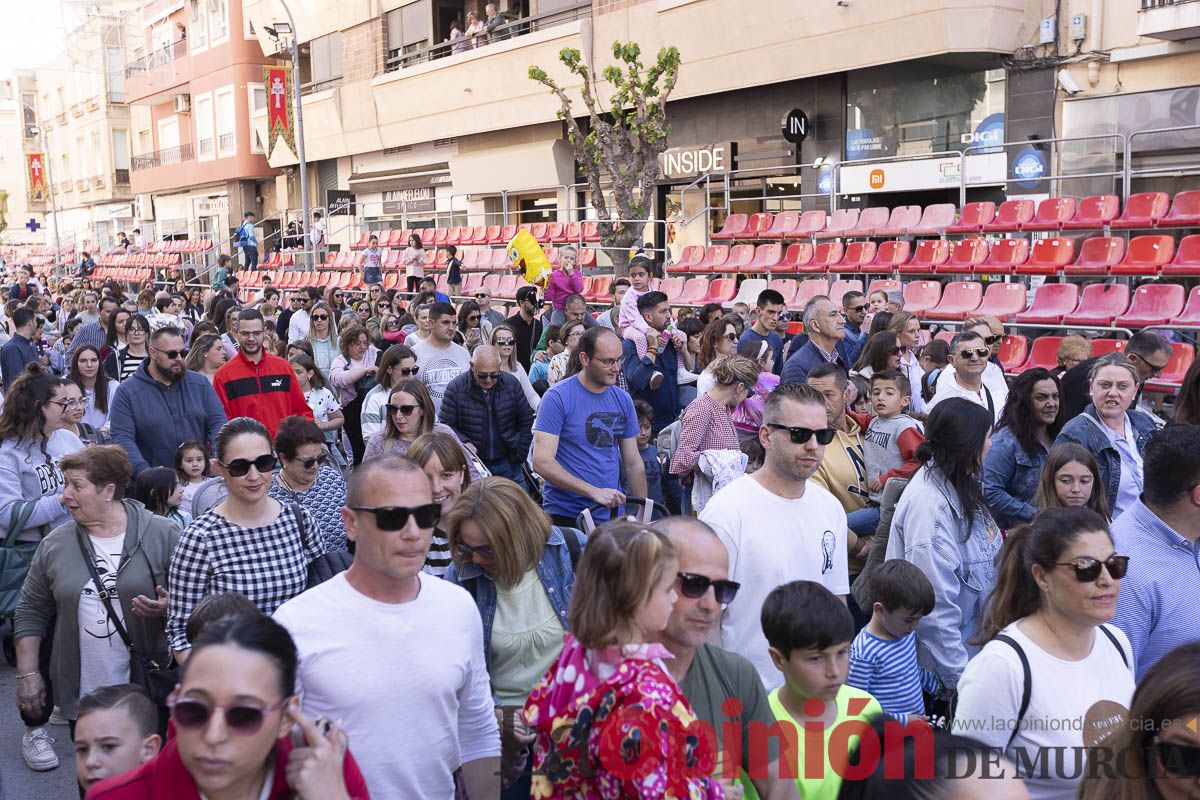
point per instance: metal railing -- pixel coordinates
(1054, 164)
(226, 141)
(116, 97)
(1169, 170)
(163, 55)
(120, 176)
(1149, 4)
(204, 148)
(418, 54)
(159, 158)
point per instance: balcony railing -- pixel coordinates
(163, 55)
(226, 142)
(1148, 4)
(162, 158)
(116, 97)
(204, 148)
(121, 177)
(421, 52)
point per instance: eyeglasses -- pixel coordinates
(465, 551)
(858, 309)
(504, 342)
(966, 355)
(173, 354)
(733, 337)
(897, 350)
(607, 363)
(239, 467)
(1155, 370)
(481, 295)
(192, 714)
(1087, 569)
(408, 372)
(319, 317)
(802, 435)
(1180, 760)
(473, 318)
(405, 410)
(487, 376)
(309, 463)
(393, 518)
(991, 340)
(695, 586)
(65, 404)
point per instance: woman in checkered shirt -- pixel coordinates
(251, 543)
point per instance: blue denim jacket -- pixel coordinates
(554, 569)
(1090, 433)
(929, 531)
(1010, 479)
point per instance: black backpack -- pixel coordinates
(573, 550)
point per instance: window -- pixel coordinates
(408, 28)
(325, 58)
(28, 111)
(114, 67)
(226, 123)
(145, 145)
(202, 112)
(218, 20)
(120, 148)
(97, 156)
(256, 96)
(85, 168)
(62, 100)
(198, 34)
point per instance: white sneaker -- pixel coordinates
(56, 717)
(38, 750)
(656, 381)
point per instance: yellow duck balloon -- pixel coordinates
(529, 259)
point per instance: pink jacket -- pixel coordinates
(561, 285)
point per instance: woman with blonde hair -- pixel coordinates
(323, 335)
(623, 595)
(1072, 350)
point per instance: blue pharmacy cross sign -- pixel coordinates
(795, 126)
(33, 225)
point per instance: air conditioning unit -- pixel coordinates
(183, 104)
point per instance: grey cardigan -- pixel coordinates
(57, 577)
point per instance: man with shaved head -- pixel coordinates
(488, 411)
(721, 686)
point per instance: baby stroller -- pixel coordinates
(650, 511)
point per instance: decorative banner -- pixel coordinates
(281, 92)
(35, 163)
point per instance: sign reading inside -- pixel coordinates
(690, 162)
(795, 126)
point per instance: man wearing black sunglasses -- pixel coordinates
(391, 650)
(969, 354)
(777, 525)
(854, 309)
(709, 675)
(163, 404)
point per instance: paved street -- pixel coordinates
(19, 782)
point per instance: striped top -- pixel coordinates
(888, 671)
(437, 560)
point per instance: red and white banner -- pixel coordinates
(35, 164)
(281, 92)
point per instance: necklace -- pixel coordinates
(287, 484)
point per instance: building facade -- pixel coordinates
(24, 205)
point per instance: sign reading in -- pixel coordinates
(339, 202)
(795, 126)
(281, 92)
(689, 162)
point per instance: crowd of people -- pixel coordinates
(632, 551)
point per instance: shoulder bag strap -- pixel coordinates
(20, 514)
(302, 523)
(991, 403)
(101, 592)
(1112, 637)
(1027, 683)
(573, 548)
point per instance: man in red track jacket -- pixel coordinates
(257, 384)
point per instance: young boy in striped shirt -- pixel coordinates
(883, 656)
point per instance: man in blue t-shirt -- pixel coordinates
(766, 319)
(586, 434)
(248, 241)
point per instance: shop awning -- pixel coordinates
(390, 180)
(519, 167)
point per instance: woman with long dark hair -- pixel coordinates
(1048, 623)
(942, 524)
(97, 387)
(114, 337)
(398, 363)
(1032, 418)
(123, 362)
(469, 333)
(881, 352)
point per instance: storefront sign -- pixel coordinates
(339, 202)
(863, 143)
(907, 176)
(281, 93)
(395, 207)
(1028, 167)
(795, 126)
(989, 131)
(690, 162)
(208, 206)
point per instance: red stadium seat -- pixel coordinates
(840, 221)
(810, 222)
(427, 235)
(495, 234)
(1010, 216)
(740, 256)
(1182, 356)
(734, 224)
(1094, 213)
(1104, 346)
(966, 256)
(692, 254)
(1146, 255)
(538, 230)
(885, 285)
(1097, 256)
(1052, 214)
(508, 287)
(1153, 304)
(786, 287)
(720, 291)
(935, 221)
(758, 223)
(694, 292)
(930, 254)
(827, 256)
(591, 231)
(573, 232)
(797, 257)
(766, 259)
(902, 218)
(1099, 305)
(1191, 312)
(781, 226)
(556, 233)
(1002, 300)
(919, 296)
(439, 236)
(454, 236)
(672, 288)
(1043, 353)
(1051, 302)
(808, 289)
(974, 216)
(1187, 258)
(362, 242)
(1014, 349)
(600, 288)
(858, 256)
(839, 289)
(1142, 210)
(1049, 257)
(1185, 211)
(959, 299)
(714, 259)
(869, 221)
(889, 256)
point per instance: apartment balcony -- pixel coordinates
(159, 74)
(97, 182)
(1173, 20)
(183, 167)
(160, 158)
(93, 104)
(121, 177)
(66, 186)
(77, 109)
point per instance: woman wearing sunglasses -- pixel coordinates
(323, 336)
(519, 569)
(569, 334)
(1050, 653)
(719, 338)
(470, 332)
(881, 352)
(943, 525)
(398, 363)
(504, 339)
(237, 728)
(250, 543)
(407, 415)
(304, 465)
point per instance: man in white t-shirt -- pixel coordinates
(394, 654)
(776, 524)
(969, 353)
(441, 360)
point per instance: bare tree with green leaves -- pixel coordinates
(622, 141)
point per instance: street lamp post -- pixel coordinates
(294, 47)
(41, 134)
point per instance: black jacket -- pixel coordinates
(468, 411)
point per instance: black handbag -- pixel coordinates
(159, 680)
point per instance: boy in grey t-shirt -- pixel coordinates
(893, 437)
